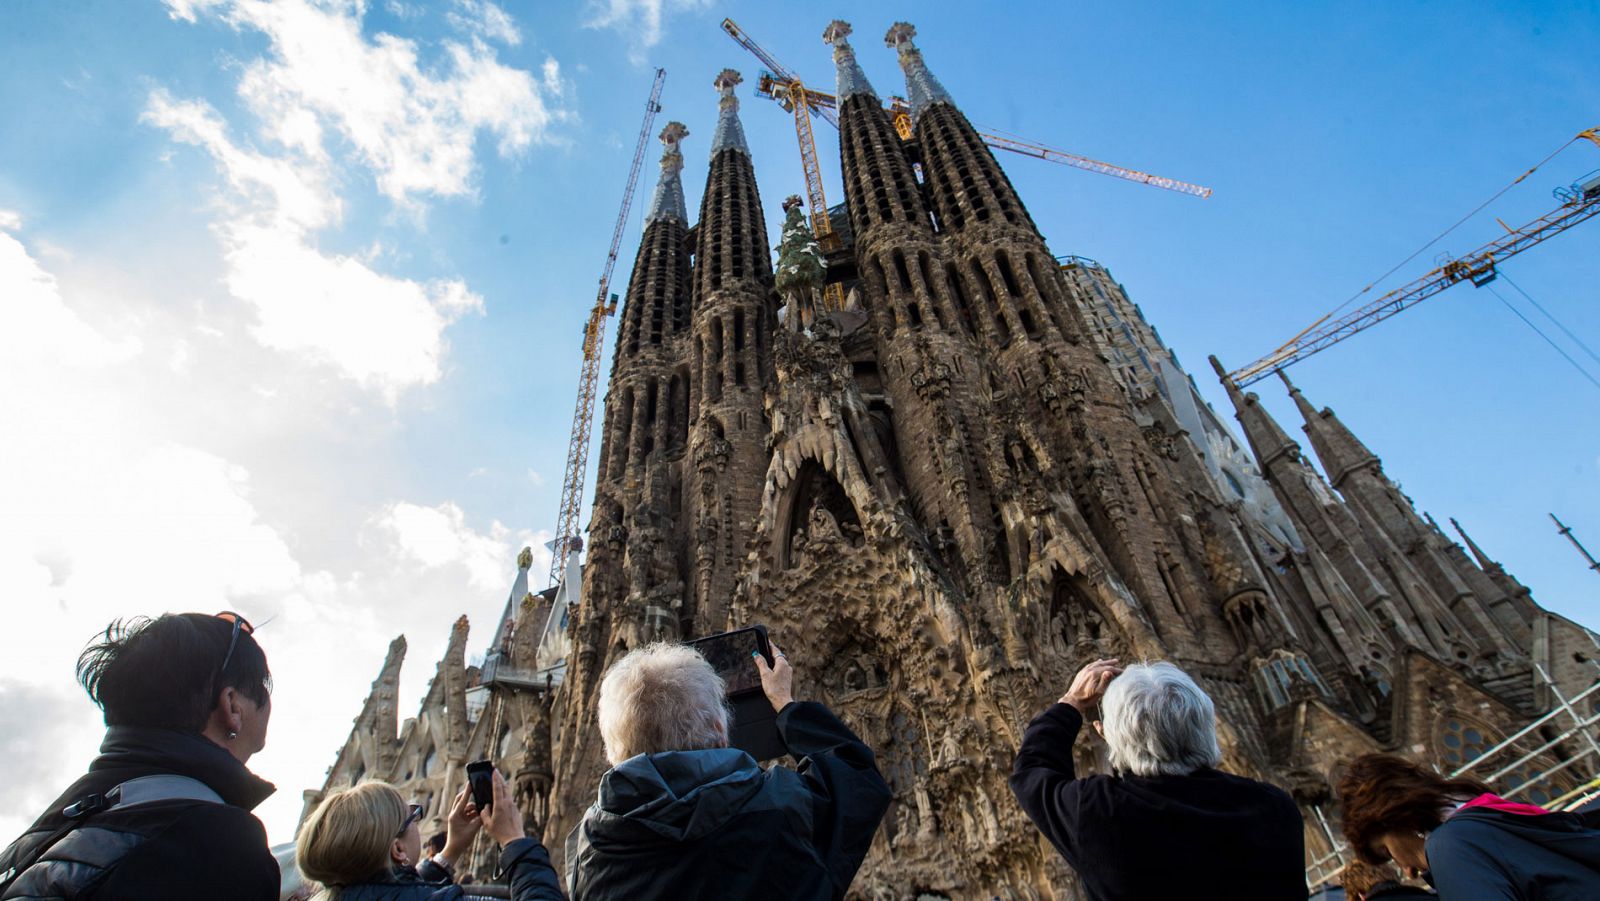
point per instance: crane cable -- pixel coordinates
(1540, 332)
(1414, 254)
(1550, 316)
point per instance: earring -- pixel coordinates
(232, 735)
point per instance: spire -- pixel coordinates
(1337, 447)
(1266, 437)
(730, 133)
(1484, 563)
(852, 80)
(923, 88)
(667, 203)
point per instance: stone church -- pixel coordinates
(983, 471)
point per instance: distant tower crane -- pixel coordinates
(784, 86)
(567, 541)
(1579, 203)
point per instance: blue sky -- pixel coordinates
(291, 293)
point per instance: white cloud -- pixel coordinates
(10, 220)
(640, 21)
(481, 18)
(36, 324)
(439, 537)
(536, 478)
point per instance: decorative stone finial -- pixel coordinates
(923, 89)
(667, 202)
(852, 80)
(793, 200)
(525, 559)
(730, 132)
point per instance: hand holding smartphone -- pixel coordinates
(480, 775)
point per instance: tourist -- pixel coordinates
(682, 815)
(164, 811)
(1166, 822)
(435, 843)
(1466, 841)
(364, 844)
(1363, 881)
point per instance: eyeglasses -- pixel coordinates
(240, 624)
(413, 814)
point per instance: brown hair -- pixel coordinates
(1383, 793)
(1358, 877)
(346, 841)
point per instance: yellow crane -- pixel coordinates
(567, 541)
(783, 85)
(1579, 203)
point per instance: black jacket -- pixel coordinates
(1490, 854)
(683, 825)
(524, 861)
(175, 849)
(1147, 837)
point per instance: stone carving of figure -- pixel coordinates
(801, 270)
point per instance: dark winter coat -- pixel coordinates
(1205, 835)
(1393, 891)
(177, 849)
(525, 863)
(682, 825)
(1491, 854)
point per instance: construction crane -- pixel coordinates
(567, 541)
(798, 99)
(1579, 203)
(784, 86)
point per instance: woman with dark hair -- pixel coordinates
(1466, 841)
(164, 811)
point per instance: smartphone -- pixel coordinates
(730, 655)
(480, 775)
(753, 727)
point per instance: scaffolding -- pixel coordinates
(1572, 748)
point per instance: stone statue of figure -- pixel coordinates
(801, 270)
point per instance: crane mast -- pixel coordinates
(567, 540)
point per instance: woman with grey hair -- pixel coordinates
(1166, 823)
(682, 815)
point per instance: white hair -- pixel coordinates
(662, 697)
(1157, 721)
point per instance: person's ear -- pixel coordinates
(397, 853)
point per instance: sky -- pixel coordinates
(291, 293)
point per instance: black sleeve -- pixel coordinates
(527, 867)
(842, 775)
(210, 851)
(430, 872)
(1043, 778)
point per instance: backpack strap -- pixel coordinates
(143, 790)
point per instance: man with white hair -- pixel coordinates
(681, 815)
(1166, 823)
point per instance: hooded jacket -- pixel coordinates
(176, 849)
(1484, 853)
(1146, 837)
(683, 825)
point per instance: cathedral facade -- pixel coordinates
(942, 499)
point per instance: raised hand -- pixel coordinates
(777, 680)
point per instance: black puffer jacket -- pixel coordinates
(525, 863)
(713, 824)
(176, 849)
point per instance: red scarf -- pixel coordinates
(1495, 802)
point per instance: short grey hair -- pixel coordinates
(662, 697)
(1157, 721)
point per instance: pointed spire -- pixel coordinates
(852, 80)
(730, 132)
(1340, 451)
(667, 203)
(1484, 563)
(923, 89)
(1266, 437)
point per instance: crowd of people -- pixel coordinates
(164, 811)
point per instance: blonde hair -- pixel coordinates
(662, 697)
(346, 840)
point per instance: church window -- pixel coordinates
(507, 743)
(1233, 483)
(901, 272)
(959, 295)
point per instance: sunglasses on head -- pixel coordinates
(413, 814)
(240, 624)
